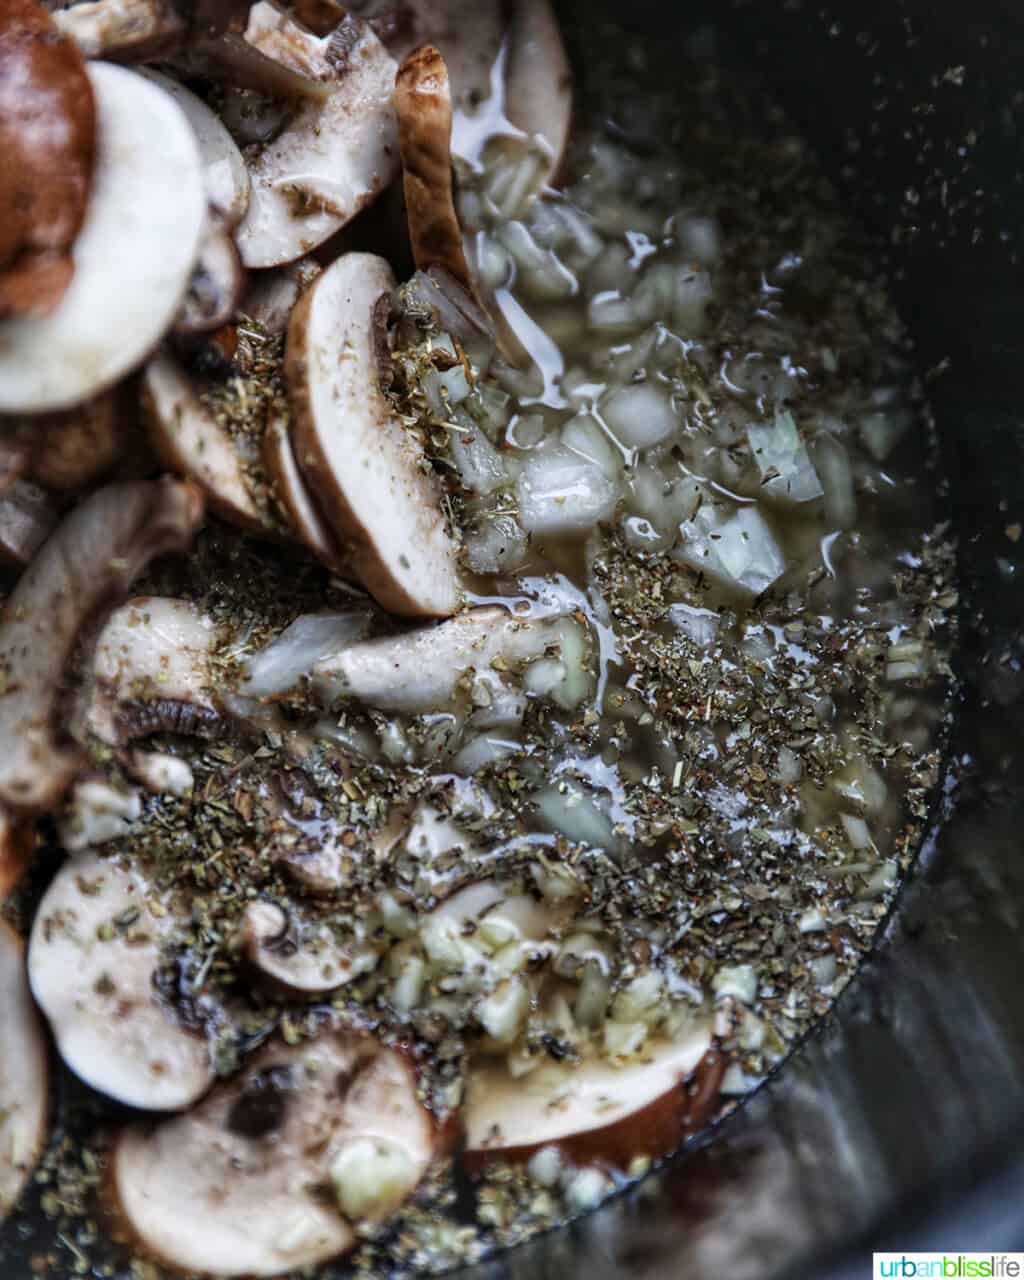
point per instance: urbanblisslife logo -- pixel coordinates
(949, 1266)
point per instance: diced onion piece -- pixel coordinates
(481, 467)
(571, 812)
(857, 831)
(584, 435)
(562, 492)
(738, 981)
(280, 667)
(640, 415)
(787, 473)
(692, 295)
(832, 464)
(882, 431)
(481, 751)
(698, 625)
(740, 552)
(496, 544)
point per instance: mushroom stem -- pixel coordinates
(94, 556)
(423, 105)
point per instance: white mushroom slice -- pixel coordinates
(231, 1188)
(423, 105)
(27, 518)
(291, 492)
(94, 951)
(152, 649)
(24, 1074)
(95, 554)
(225, 177)
(123, 29)
(366, 470)
(272, 294)
(190, 441)
(420, 670)
(595, 1110)
(538, 84)
(217, 283)
(298, 957)
(289, 658)
(137, 245)
(333, 158)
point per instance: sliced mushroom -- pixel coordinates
(298, 957)
(27, 518)
(17, 845)
(123, 30)
(290, 490)
(333, 158)
(240, 1185)
(423, 105)
(217, 283)
(72, 448)
(48, 141)
(538, 85)
(367, 471)
(225, 177)
(152, 649)
(93, 955)
(95, 554)
(421, 670)
(137, 245)
(189, 440)
(272, 294)
(24, 1075)
(595, 1110)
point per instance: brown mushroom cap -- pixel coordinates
(94, 952)
(72, 448)
(230, 1188)
(17, 846)
(24, 1074)
(423, 105)
(95, 554)
(365, 469)
(137, 244)
(47, 146)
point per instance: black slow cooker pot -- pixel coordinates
(899, 1124)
